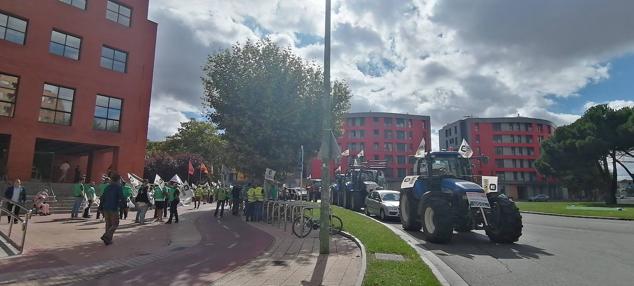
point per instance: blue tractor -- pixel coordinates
(442, 197)
(351, 188)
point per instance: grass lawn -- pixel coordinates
(560, 208)
(378, 238)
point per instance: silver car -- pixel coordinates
(383, 203)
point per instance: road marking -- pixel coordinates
(232, 245)
(236, 235)
(225, 227)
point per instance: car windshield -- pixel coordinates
(448, 166)
(391, 197)
(367, 176)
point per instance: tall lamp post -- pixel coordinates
(326, 156)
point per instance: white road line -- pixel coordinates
(225, 227)
(236, 235)
(232, 245)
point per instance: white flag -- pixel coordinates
(176, 179)
(361, 154)
(490, 184)
(338, 169)
(465, 150)
(420, 152)
(135, 181)
(158, 181)
(346, 153)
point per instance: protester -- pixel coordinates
(79, 195)
(221, 198)
(259, 203)
(90, 197)
(99, 192)
(159, 202)
(17, 195)
(236, 191)
(274, 191)
(198, 196)
(40, 203)
(142, 201)
(124, 208)
(112, 199)
(250, 213)
(247, 197)
(64, 167)
(173, 199)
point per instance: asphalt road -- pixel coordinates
(552, 251)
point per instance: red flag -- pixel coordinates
(203, 168)
(191, 168)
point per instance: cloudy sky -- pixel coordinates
(447, 59)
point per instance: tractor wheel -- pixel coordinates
(356, 202)
(505, 221)
(409, 211)
(437, 225)
(346, 200)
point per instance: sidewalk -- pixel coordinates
(295, 261)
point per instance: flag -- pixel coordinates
(203, 168)
(338, 169)
(333, 147)
(346, 153)
(176, 179)
(191, 168)
(361, 154)
(158, 181)
(465, 150)
(135, 181)
(420, 152)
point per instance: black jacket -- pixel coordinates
(142, 197)
(8, 194)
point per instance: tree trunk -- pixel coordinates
(611, 199)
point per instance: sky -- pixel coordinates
(446, 59)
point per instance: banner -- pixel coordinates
(135, 180)
(490, 184)
(465, 150)
(269, 175)
(420, 152)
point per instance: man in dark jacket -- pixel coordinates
(17, 195)
(235, 197)
(112, 199)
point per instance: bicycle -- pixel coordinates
(303, 225)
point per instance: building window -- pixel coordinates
(401, 160)
(499, 163)
(375, 119)
(376, 132)
(497, 138)
(360, 121)
(529, 138)
(409, 123)
(118, 13)
(400, 135)
(540, 128)
(57, 105)
(388, 134)
(388, 147)
(410, 135)
(64, 45)
(12, 29)
(497, 126)
(401, 172)
(499, 150)
(401, 147)
(107, 114)
(387, 121)
(376, 157)
(389, 159)
(81, 4)
(352, 146)
(8, 93)
(389, 173)
(375, 146)
(400, 122)
(114, 59)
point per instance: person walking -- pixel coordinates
(99, 192)
(198, 196)
(259, 202)
(112, 199)
(159, 201)
(250, 212)
(79, 194)
(127, 194)
(221, 198)
(173, 199)
(142, 201)
(236, 191)
(63, 168)
(90, 197)
(17, 195)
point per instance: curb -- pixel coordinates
(364, 257)
(445, 275)
(579, 216)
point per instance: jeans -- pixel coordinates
(123, 212)
(220, 204)
(112, 222)
(235, 208)
(173, 211)
(258, 210)
(140, 214)
(16, 211)
(249, 212)
(76, 206)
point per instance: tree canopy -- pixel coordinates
(268, 102)
(585, 154)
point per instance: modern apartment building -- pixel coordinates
(75, 86)
(511, 145)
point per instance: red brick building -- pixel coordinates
(392, 137)
(75, 85)
(512, 144)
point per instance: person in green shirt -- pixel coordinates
(173, 199)
(127, 193)
(79, 195)
(159, 203)
(198, 197)
(99, 192)
(90, 197)
(221, 198)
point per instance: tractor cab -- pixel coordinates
(443, 163)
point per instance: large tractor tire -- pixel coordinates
(357, 201)
(347, 200)
(409, 211)
(437, 223)
(505, 221)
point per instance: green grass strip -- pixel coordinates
(378, 238)
(579, 209)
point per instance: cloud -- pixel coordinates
(166, 114)
(446, 59)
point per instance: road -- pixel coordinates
(552, 251)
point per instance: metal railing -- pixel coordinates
(280, 213)
(22, 223)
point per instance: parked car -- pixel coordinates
(382, 203)
(538, 198)
(298, 193)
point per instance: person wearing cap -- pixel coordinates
(79, 195)
(90, 197)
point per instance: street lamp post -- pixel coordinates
(326, 156)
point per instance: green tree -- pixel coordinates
(585, 154)
(267, 101)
